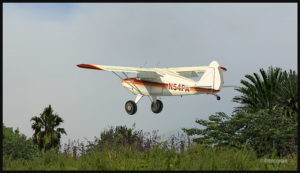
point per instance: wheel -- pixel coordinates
(130, 107)
(157, 108)
(218, 98)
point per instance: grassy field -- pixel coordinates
(159, 157)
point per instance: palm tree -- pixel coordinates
(276, 92)
(259, 94)
(46, 134)
(288, 95)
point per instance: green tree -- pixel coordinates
(16, 145)
(46, 132)
(259, 93)
(264, 131)
(277, 90)
(120, 135)
(217, 131)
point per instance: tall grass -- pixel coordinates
(161, 156)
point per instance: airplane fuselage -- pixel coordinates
(166, 85)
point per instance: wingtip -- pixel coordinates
(89, 66)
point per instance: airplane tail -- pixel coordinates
(212, 77)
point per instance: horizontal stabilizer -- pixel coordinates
(230, 86)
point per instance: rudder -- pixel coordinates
(212, 77)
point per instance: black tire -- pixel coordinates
(157, 108)
(218, 98)
(130, 107)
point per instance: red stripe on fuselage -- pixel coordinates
(146, 83)
(164, 85)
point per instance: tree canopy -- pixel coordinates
(16, 145)
(264, 131)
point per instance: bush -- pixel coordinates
(16, 146)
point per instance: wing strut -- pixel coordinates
(135, 85)
(128, 82)
(131, 83)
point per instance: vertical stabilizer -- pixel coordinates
(212, 77)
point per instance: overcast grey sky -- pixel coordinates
(43, 43)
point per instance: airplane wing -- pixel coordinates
(188, 71)
(113, 68)
(141, 72)
(151, 72)
(196, 69)
(191, 71)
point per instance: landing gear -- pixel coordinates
(157, 106)
(130, 107)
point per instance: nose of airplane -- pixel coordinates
(124, 83)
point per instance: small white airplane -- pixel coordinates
(154, 82)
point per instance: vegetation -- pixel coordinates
(266, 132)
(287, 97)
(46, 134)
(167, 155)
(123, 136)
(259, 94)
(16, 146)
(277, 91)
(266, 120)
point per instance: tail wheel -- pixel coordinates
(130, 107)
(157, 107)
